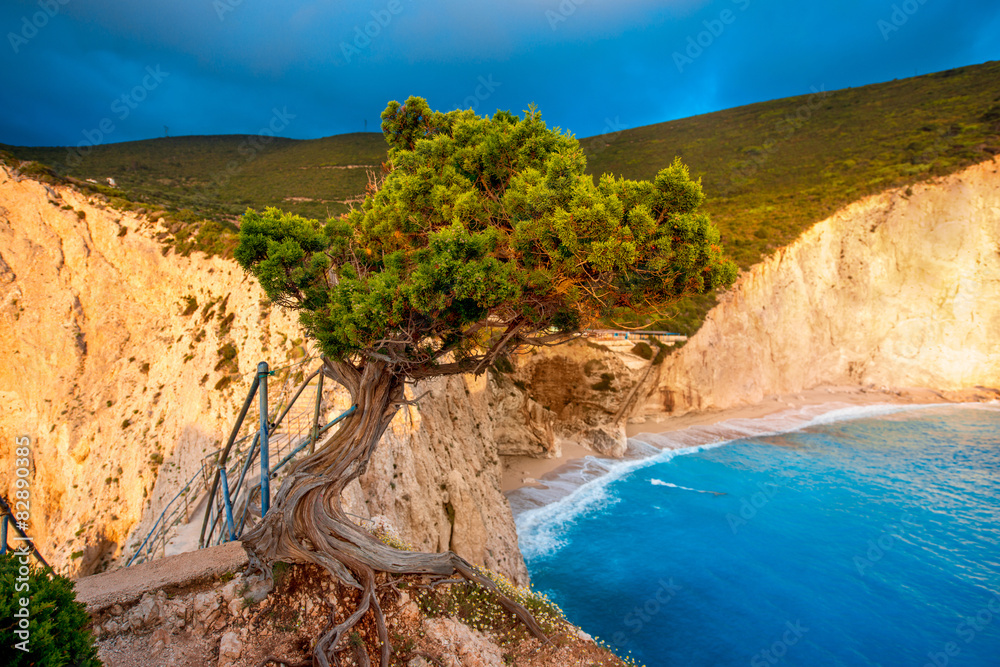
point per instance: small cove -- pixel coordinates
(859, 536)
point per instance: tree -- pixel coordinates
(481, 235)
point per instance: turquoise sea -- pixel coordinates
(862, 536)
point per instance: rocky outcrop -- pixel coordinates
(197, 609)
(527, 428)
(584, 390)
(899, 289)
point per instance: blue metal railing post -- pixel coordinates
(3, 534)
(6, 511)
(225, 455)
(265, 472)
(228, 503)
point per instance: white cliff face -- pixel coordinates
(436, 475)
(582, 391)
(107, 367)
(899, 289)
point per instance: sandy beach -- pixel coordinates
(520, 471)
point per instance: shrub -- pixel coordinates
(664, 351)
(57, 622)
(605, 383)
(38, 171)
(190, 305)
(643, 350)
(227, 359)
(480, 609)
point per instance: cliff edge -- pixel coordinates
(900, 289)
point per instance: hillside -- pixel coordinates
(896, 290)
(770, 170)
(220, 176)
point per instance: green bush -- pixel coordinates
(605, 383)
(37, 170)
(57, 622)
(643, 350)
(664, 350)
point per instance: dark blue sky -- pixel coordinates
(99, 71)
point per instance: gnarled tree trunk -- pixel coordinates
(307, 524)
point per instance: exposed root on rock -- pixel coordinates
(307, 524)
(283, 663)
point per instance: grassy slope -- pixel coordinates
(220, 176)
(773, 169)
(770, 170)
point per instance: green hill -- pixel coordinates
(773, 169)
(220, 176)
(770, 170)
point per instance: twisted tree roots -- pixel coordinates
(306, 523)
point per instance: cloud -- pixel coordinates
(585, 63)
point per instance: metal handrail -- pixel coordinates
(229, 463)
(162, 515)
(228, 502)
(265, 477)
(271, 427)
(309, 438)
(229, 445)
(8, 517)
(295, 450)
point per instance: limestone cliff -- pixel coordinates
(119, 365)
(899, 289)
(581, 391)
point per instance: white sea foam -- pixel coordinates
(540, 529)
(542, 515)
(660, 482)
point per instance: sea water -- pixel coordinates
(860, 537)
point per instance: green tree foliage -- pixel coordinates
(480, 235)
(57, 625)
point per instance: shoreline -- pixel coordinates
(525, 471)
